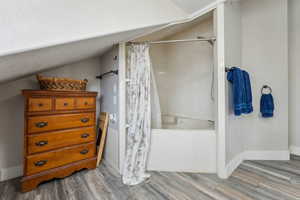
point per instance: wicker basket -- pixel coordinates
(61, 84)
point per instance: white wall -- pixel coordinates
(264, 56)
(109, 103)
(183, 73)
(294, 73)
(33, 24)
(257, 42)
(12, 111)
(234, 133)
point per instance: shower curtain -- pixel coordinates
(156, 121)
(138, 114)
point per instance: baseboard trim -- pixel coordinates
(11, 172)
(234, 163)
(267, 155)
(107, 163)
(295, 150)
(256, 155)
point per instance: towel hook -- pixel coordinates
(266, 87)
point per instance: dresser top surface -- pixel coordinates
(58, 93)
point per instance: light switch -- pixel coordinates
(113, 117)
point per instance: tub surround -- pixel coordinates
(181, 150)
(183, 131)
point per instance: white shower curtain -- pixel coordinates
(138, 114)
(155, 104)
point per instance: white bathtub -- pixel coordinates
(177, 122)
(184, 146)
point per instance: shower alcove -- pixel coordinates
(187, 94)
(183, 135)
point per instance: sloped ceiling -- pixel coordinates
(37, 35)
(191, 6)
(27, 63)
(33, 24)
(171, 29)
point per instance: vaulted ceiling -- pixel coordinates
(191, 6)
(32, 24)
(38, 35)
(26, 63)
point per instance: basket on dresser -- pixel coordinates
(61, 84)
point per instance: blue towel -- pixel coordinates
(266, 105)
(242, 95)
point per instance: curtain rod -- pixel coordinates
(175, 41)
(116, 72)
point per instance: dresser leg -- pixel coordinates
(29, 183)
(27, 186)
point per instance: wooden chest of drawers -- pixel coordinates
(59, 135)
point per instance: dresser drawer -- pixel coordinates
(37, 124)
(85, 103)
(57, 139)
(52, 159)
(64, 103)
(39, 104)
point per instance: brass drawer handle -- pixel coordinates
(85, 135)
(41, 143)
(85, 120)
(86, 103)
(84, 151)
(41, 124)
(65, 104)
(40, 163)
(41, 105)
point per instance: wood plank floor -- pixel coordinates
(263, 180)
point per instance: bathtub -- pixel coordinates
(180, 122)
(183, 145)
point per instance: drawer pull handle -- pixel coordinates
(85, 135)
(84, 151)
(65, 104)
(41, 105)
(40, 163)
(85, 120)
(41, 143)
(86, 103)
(41, 124)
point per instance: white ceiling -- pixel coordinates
(38, 35)
(191, 6)
(23, 64)
(33, 24)
(50, 36)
